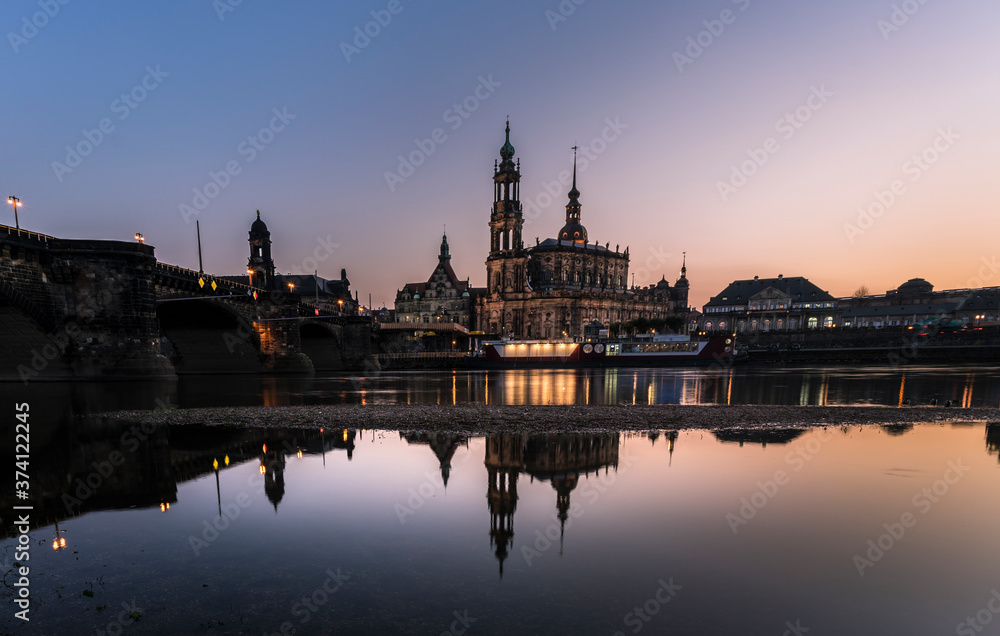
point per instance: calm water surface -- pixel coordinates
(847, 530)
(965, 386)
(375, 532)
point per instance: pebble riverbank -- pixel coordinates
(491, 419)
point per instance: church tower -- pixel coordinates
(682, 286)
(507, 262)
(573, 231)
(260, 266)
(445, 254)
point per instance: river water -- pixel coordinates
(842, 530)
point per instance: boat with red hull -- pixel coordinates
(658, 351)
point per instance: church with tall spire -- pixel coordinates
(558, 286)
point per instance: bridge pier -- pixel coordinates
(280, 337)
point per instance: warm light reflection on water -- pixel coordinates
(221, 530)
(965, 387)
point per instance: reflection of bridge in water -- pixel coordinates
(93, 466)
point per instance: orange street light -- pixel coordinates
(140, 238)
(15, 202)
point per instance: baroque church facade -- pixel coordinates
(558, 286)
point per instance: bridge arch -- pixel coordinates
(322, 342)
(17, 299)
(208, 336)
(30, 346)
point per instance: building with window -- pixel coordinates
(333, 295)
(442, 298)
(913, 302)
(769, 304)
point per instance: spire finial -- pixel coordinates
(574, 194)
(258, 214)
(574, 167)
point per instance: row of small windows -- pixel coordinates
(768, 307)
(768, 324)
(587, 278)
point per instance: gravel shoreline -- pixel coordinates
(490, 419)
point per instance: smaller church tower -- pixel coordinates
(260, 267)
(573, 231)
(682, 286)
(445, 254)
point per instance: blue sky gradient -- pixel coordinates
(656, 187)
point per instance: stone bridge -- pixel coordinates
(91, 309)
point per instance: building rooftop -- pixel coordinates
(740, 291)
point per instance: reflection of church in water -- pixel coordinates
(993, 438)
(444, 446)
(559, 458)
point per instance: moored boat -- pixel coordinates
(658, 350)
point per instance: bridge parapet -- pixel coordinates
(77, 308)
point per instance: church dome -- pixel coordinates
(573, 232)
(507, 149)
(258, 226)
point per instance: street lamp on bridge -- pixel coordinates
(15, 202)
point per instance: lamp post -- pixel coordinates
(59, 543)
(341, 304)
(250, 274)
(15, 202)
(140, 239)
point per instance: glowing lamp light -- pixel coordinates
(140, 238)
(299, 454)
(215, 464)
(265, 448)
(263, 469)
(227, 460)
(345, 434)
(164, 507)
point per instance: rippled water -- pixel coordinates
(376, 532)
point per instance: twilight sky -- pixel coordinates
(748, 134)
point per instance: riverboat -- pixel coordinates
(662, 350)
